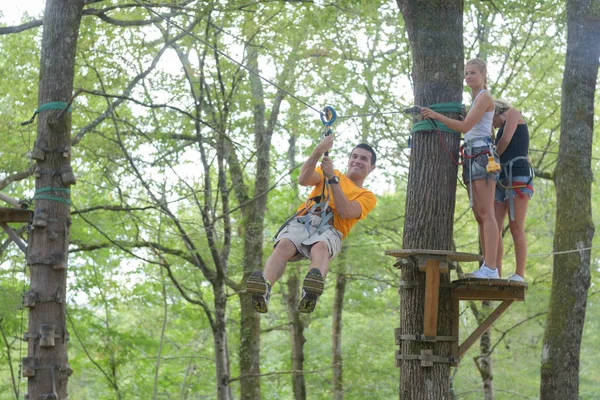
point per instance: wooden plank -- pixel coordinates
(455, 329)
(488, 282)
(452, 255)
(432, 294)
(14, 215)
(481, 329)
(468, 293)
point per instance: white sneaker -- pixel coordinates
(516, 278)
(484, 273)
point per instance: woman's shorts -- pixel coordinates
(522, 186)
(303, 239)
(475, 168)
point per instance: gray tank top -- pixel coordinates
(483, 128)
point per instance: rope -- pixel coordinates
(38, 196)
(428, 124)
(53, 105)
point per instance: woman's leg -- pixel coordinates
(483, 196)
(517, 230)
(500, 211)
(477, 218)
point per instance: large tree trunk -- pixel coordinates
(435, 32)
(574, 226)
(47, 362)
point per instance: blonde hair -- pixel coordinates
(482, 68)
(502, 106)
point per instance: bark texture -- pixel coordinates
(435, 32)
(574, 226)
(49, 238)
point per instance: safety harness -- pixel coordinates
(514, 187)
(317, 205)
(492, 165)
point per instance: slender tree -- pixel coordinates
(435, 33)
(574, 226)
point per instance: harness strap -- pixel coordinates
(510, 188)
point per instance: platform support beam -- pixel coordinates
(485, 325)
(432, 294)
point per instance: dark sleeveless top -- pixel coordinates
(518, 146)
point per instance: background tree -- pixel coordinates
(574, 225)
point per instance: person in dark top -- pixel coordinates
(515, 185)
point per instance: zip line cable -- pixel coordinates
(230, 58)
(320, 112)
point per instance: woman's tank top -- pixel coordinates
(517, 147)
(483, 127)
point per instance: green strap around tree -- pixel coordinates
(39, 196)
(428, 124)
(53, 105)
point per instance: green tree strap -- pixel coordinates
(53, 105)
(39, 196)
(429, 125)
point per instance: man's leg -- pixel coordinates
(259, 283)
(314, 282)
(276, 263)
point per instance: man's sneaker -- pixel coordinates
(312, 288)
(260, 289)
(484, 273)
(516, 278)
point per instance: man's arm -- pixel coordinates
(308, 175)
(346, 208)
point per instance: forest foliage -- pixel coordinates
(165, 92)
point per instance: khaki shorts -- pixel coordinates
(297, 233)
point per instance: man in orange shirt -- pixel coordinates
(313, 234)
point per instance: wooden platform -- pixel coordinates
(451, 255)
(435, 262)
(488, 289)
(9, 215)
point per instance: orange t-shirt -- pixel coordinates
(365, 198)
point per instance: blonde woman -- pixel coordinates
(515, 186)
(481, 185)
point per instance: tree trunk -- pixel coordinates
(574, 226)
(221, 349)
(297, 334)
(47, 362)
(484, 361)
(254, 226)
(435, 32)
(294, 288)
(336, 337)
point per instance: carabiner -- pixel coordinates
(328, 116)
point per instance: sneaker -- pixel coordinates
(516, 278)
(484, 273)
(260, 289)
(312, 288)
